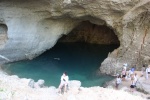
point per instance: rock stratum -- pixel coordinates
(30, 27)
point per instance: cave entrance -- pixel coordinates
(91, 33)
(3, 34)
(76, 53)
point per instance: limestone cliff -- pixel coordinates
(31, 27)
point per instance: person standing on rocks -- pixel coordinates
(118, 81)
(147, 71)
(135, 78)
(132, 86)
(143, 70)
(64, 82)
(133, 68)
(131, 71)
(123, 74)
(125, 66)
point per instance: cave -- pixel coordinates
(3, 34)
(40, 39)
(80, 53)
(91, 33)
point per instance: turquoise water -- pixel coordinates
(81, 61)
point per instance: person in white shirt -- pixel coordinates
(64, 82)
(143, 70)
(125, 66)
(118, 81)
(147, 71)
(135, 78)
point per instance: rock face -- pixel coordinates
(31, 27)
(3, 34)
(14, 88)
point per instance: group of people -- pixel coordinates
(131, 75)
(122, 77)
(145, 71)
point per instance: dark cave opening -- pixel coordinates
(91, 33)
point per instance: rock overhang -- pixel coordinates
(35, 26)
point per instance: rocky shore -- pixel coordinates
(14, 88)
(142, 86)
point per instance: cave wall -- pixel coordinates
(3, 35)
(30, 29)
(135, 43)
(91, 33)
(35, 26)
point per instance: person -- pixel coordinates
(135, 78)
(125, 66)
(147, 71)
(132, 86)
(64, 82)
(131, 71)
(118, 81)
(123, 74)
(143, 70)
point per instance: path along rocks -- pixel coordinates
(142, 86)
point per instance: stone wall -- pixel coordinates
(35, 26)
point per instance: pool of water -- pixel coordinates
(80, 60)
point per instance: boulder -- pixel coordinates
(38, 84)
(143, 86)
(74, 84)
(31, 83)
